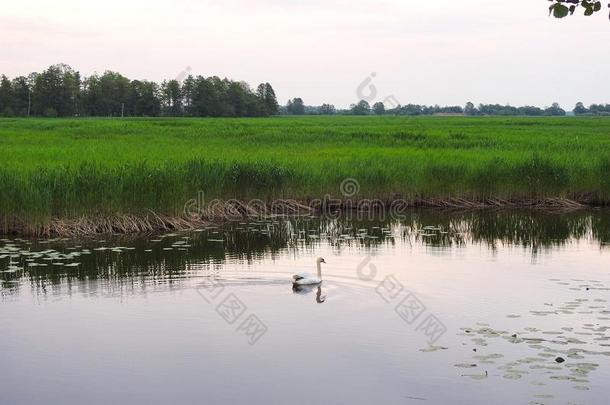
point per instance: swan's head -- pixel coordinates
(320, 260)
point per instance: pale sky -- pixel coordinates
(422, 51)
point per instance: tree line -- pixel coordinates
(60, 91)
(594, 109)
(297, 107)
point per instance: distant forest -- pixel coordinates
(296, 106)
(60, 91)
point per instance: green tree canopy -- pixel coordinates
(564, 8)
(362, 108)
(59, 91)
(379, 108)
(6, 97)
(295, 106)
(266, 95)
(327, 109)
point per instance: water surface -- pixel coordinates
(484, 307)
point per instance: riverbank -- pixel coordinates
(222, 212)
(107, 174)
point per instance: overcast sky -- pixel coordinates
(422, 51)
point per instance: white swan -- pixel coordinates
(308, 279)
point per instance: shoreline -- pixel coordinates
(236, 210)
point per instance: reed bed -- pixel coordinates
(84, 169)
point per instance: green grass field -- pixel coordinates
(63, 168)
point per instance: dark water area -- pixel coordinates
(463, 307)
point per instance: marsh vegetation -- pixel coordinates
(71, 168)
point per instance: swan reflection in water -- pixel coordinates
(308, 289)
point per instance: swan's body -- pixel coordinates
(308, 279)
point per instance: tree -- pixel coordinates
(378, 108)
(256, 108)
(497, 109)
(237, 98)
(470, 109)
(295, 106)
(202, 91)
(599, 109)
(56, 91)
(451, 109)
(530, 111)
(70, 99)
(188, 89)
(218, 106)
(115, 93)
(92, 96)
(327, 109)
(6, 97)
(151, 102)
(362, 108)
(580, 109)
(266, 95)
(107, 95)
(22, 92)
(564, 8)
(410, 109)
(554, 109)
(171, 98)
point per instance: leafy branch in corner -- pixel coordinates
(564, 8)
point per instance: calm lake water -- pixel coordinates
(491, 307)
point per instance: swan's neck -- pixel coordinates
(319, 266)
